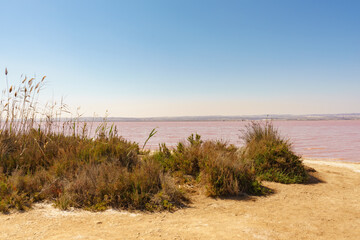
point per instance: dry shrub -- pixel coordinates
(225, 173)
(20, 190)
(216, 164)
(80, 172)
(99, 186)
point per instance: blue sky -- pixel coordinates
(188, 57)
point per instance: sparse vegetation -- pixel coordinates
(44, 157)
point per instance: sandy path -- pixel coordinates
(323, 210)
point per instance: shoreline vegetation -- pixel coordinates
(56, 161)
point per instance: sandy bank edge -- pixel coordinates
(352, 166)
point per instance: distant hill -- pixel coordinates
(344, 116)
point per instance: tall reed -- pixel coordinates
(47, 154)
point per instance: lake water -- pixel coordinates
(329, 140)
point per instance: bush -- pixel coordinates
(272, 155)
(79, 172)
(225, 173)
(215, 164)
(97, 187)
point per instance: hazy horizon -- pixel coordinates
(187, 58)
(196, 118)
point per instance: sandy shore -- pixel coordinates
(329, 208)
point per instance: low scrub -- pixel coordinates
(99, 186)
(271, 154)
(217, 165)
(83, 173)
(35, 149)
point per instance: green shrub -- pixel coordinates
(216, 165)
(272, 155)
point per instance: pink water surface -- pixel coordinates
(329, 140)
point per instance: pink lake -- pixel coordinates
(329, 140)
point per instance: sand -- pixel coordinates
(329, 208)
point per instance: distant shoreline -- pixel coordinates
(310, 117)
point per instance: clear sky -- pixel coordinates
(188, 57)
